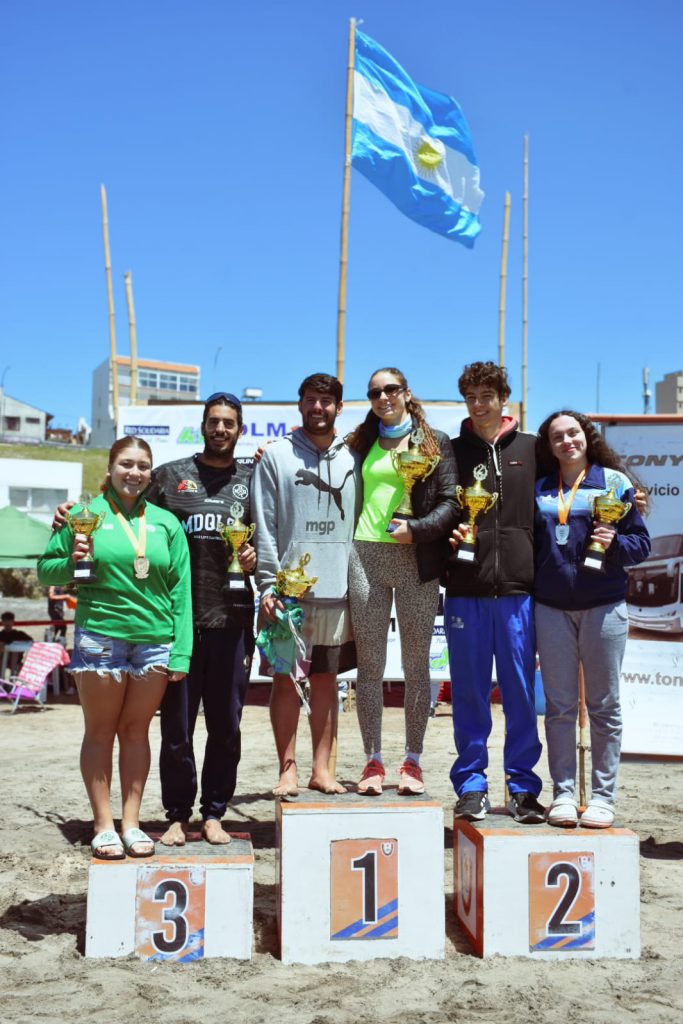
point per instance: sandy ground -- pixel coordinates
(44, 857)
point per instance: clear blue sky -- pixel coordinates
(217, 128)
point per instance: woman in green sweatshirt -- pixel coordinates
(133, 635)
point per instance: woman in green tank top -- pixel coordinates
(397, 559)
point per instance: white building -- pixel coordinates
(20, 421)
(170, 382)
(37, 486)
(669, 393)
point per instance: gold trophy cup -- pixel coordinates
(411, 466)
(607, 509)
(294, 582)
(85, 522)
(475, 500)
(235, 535)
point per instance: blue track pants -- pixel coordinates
(477, 628)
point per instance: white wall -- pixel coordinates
(37, 486)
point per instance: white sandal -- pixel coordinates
(563, 813)
(597, 815)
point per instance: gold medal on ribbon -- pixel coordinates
(140, 562)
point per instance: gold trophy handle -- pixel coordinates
(491, 503)
(432, 466)
(250, 533)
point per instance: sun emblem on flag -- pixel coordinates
(429, 153)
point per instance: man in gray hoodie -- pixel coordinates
(305, 494)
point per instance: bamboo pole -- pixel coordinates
(346, 203)
(584, 741)
(128, 278)
(503, 281)
(525, 278)
(110, 300)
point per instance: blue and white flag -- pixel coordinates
(414, 144)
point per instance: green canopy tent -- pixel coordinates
(22, 539)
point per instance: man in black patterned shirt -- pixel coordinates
(203, 492)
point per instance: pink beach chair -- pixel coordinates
(30, 683)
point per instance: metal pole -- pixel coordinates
(346, 203)
(503, 281)
(128, 278)
(525, 278)
(110, 301)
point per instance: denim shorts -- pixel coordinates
(108, 655)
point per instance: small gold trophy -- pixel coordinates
(294, 582)
(411, 466)
(235, 535)
(607, 509)
(85, 522)
(476, 501)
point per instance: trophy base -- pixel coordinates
(466, 552)
(235, 581)
(403, 516)
(84, 572)
(594, 562)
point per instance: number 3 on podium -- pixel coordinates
(169, 913)
(561, 901)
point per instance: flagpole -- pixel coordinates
(128, 278)
(110, 301)
(503, 282)
(346, 203)
(525, 276)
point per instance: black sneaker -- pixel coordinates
(525, 807)
(473, 806)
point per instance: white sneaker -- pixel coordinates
(563, 813)
(597, 815)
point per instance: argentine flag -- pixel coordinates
(414, 144)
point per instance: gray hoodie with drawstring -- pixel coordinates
(306, 501)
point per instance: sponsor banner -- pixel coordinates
(173, 431)
(652, 674)
(652, 698)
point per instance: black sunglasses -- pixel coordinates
(230, 399)
(390, 390)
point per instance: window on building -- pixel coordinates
(148, 379)
(33, 419)
(187, 384)
(168, 381)
(37, 499)
(12, 422)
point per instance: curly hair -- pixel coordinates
(325, 383)
(598, 451)
(366, 433)
(482, 374)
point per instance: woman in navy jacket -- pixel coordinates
(581, 616)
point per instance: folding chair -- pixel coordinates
(30, 683)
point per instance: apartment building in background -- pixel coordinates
(669, 393)
(157, 381)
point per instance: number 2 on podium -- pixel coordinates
(561, 901)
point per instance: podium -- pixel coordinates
(184, 904)
(360, 877)
(547, 893)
